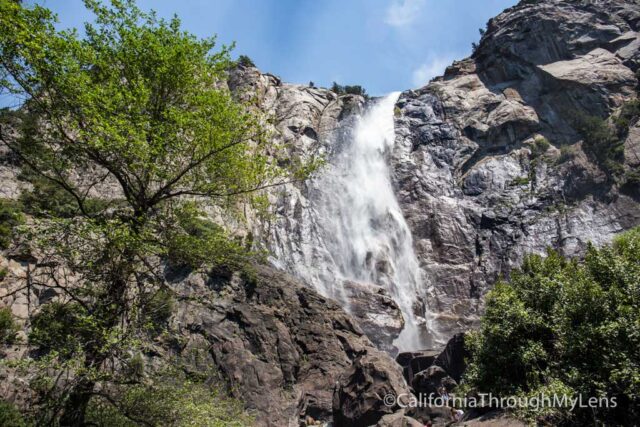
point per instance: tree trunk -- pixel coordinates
(75, 407)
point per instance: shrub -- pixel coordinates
(170, 399)
(48, 199)
(158, 309)
(601, 143)
(567, 152)
(245, 61)
(632, 177)
(10, 217)
(627, 117)
(569, 323)
(195, 241)
(11, 417)
(540, 146)
(8, 327)
(521, 180)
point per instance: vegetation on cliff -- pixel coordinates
(567, 327)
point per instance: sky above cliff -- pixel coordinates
(383, 45)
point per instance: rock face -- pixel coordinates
(376, 313)
(279, 345)
(360, 397)
(474, 187)
(474, 191)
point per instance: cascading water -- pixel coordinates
(358, 232)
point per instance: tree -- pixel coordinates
(245, 61)
(563, 326)
(348, 89)
(141, 106)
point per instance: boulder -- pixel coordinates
(416, 361)
(368, 390)
(398, 419)
(428, 382)
(452, 358)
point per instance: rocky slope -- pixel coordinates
(278, 345)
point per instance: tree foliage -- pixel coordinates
(245, 61)
(566, 325)
(171, 399)
(348, 89)
(138, 111)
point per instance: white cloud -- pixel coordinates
(403, 12)
(430, 69)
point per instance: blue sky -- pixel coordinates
(383, 45)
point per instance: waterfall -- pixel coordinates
(358, 232)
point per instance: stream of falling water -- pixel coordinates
(360, 227)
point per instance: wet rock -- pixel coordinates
(414, 362)
(376, 313)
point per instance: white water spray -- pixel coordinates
(358, 229)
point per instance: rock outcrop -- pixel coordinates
(369, 390)
(277, 344)
(475, 191)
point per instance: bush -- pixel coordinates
(540, 146)
(8, 327)
(195, 241)
(157, 310)
(10, 416)
(245, 61)
(601, 143)
(627, 117)
(567, 152)
(569, 323)
(10, 217)
(521, 180)
(170, 400)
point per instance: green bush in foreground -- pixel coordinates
(567, 327)
(170, 400)
(10, 416)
